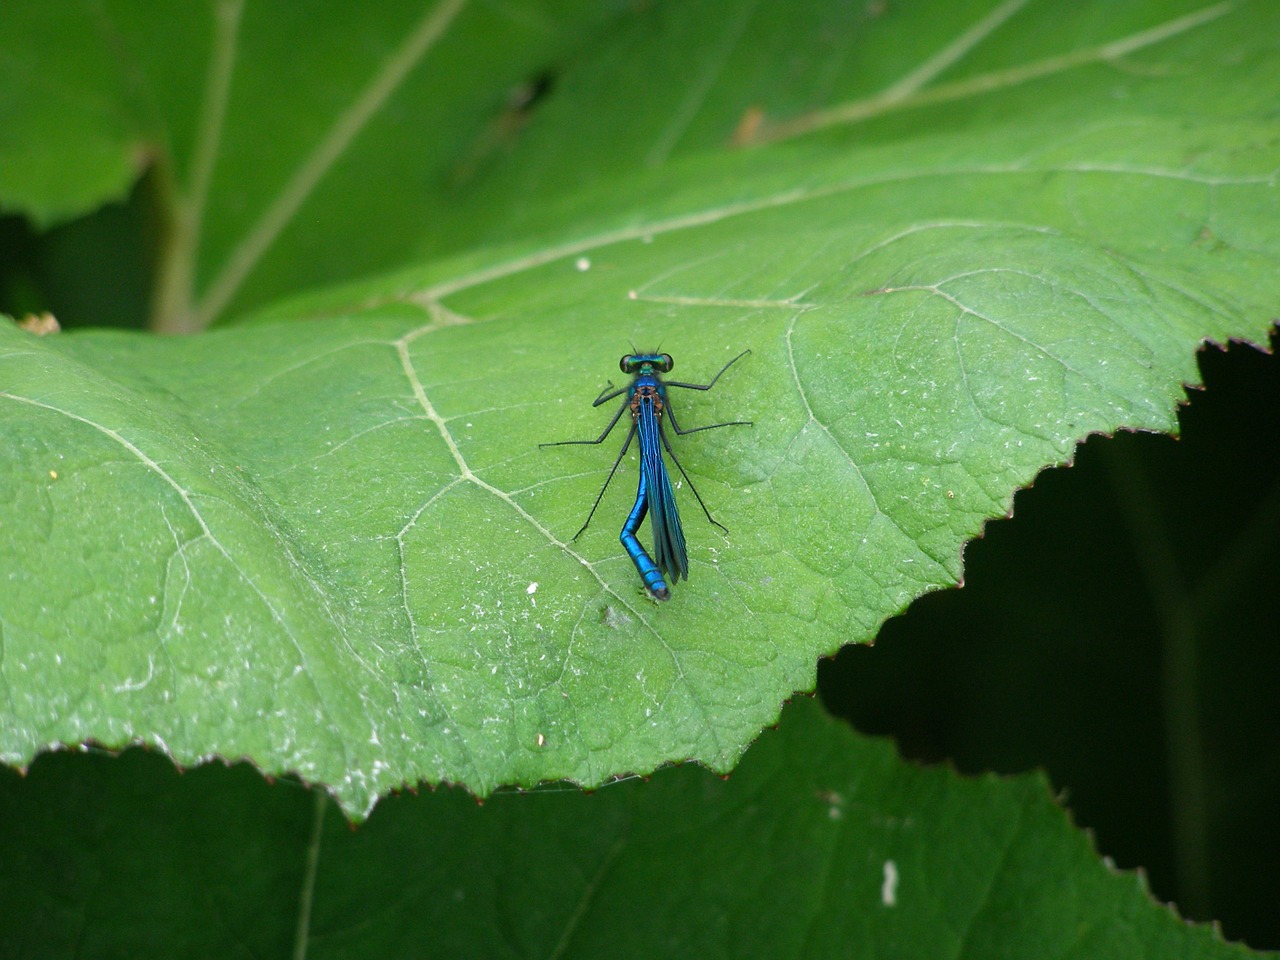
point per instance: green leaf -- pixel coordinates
(268, 130)
(822, 843)
(334, 546)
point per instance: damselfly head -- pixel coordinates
(634, 363)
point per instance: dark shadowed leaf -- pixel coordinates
(821, 843)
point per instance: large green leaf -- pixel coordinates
(334, 546)
(820, 844)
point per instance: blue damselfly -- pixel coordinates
(647, 400)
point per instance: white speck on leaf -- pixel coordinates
(889, 887)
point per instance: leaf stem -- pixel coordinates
(306, 897)
(172, 310)
(907, 93)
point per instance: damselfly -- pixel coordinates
(646, 398)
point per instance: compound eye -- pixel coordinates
(628, 364)
(665, 363)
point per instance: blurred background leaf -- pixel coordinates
(822, 843)
(259, 148)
